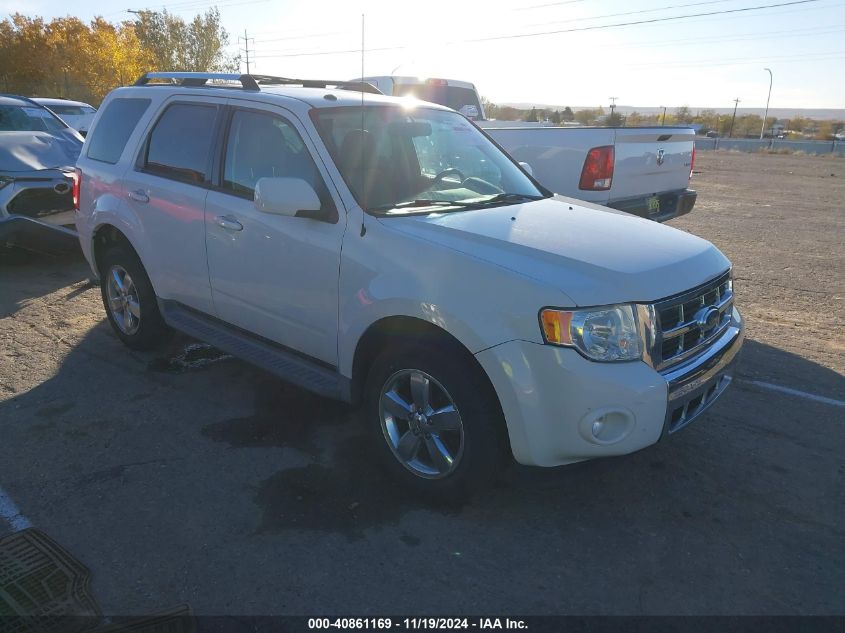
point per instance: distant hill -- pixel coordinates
(836, 114)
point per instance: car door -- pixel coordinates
(273, 275)
(167, 189)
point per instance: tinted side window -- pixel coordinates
(114, 128)
(180, 143)
(262, 145)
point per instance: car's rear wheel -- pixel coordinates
(129, 299)
(435, 420)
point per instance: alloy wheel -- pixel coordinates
(421, 424)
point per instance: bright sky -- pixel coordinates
(697, 61)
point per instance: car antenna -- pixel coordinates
(363, 164)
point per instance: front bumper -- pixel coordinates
(670, 204)
(37, 205)
(554, 399)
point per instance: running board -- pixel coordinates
(287, 365)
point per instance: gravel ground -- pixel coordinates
(180, 477)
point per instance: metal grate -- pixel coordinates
(683, 332)
(43, 589)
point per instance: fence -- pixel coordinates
(771, 144)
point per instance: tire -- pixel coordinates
(144, 327)
(478, 450)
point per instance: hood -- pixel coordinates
(593, 254)
(31, 151)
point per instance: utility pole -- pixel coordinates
(731, 133)
(612, 104)
(765, 116)
(245, 50)
(663, 122)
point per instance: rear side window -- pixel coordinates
(109, 137)
(180, 143)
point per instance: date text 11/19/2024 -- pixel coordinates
(413, 624)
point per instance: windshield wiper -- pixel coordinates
(461, 204)
(419, 203)
(504, 197)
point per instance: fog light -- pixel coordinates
(606, 426)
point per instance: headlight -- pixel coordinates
(605, 334)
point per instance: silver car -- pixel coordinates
(38, 153)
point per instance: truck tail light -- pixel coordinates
(436, 82)
(76, 176)
(692, 162)
(597, 174)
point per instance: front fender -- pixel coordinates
(387, 273)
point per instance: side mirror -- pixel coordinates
(527, 168)
(287, 196)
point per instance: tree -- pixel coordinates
(568, 115)
(491, 110)
(683, 115)
(68, 58)
(614, 119)
(532, 116)
(588, 116)
(175, 45)
(634, 119)
(554, 117)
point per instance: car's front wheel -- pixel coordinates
(435, 420)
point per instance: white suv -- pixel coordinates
(386, 252)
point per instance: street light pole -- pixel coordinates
(765, 116)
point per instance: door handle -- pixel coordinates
(139, 195)
(228, 223)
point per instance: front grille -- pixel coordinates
(684, 411)
(682, 335)
(38, 203)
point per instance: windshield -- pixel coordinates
(15, 118)
(73, 110)
(418, 156)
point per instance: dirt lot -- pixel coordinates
(178, 477)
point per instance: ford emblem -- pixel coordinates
(707, 319)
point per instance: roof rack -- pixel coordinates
(248, 82)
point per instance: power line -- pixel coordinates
(739, 37)
(545, 6)
(303, 37)
(633, 23)
(351, 50)
(616, 15)
(818, 56)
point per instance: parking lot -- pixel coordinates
(181, 476)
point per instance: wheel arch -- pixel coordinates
(402, 330)
(105, 236)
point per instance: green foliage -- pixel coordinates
(68, 58)
(532, 116)
(568, 115)
(683, 115)
(614, 119)
(198, 46)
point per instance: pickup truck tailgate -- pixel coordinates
(660, 158)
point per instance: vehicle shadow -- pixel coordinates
(26, 275)
(341, 488)
(188, 459)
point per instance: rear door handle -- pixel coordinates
(229, 223)
(139, 195)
